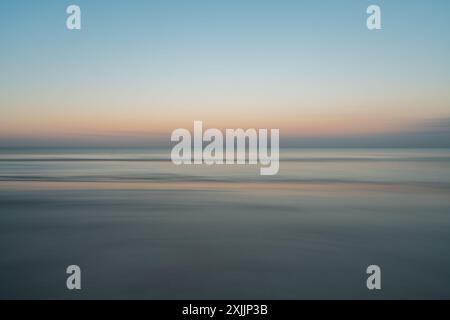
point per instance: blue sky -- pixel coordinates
(310, 68)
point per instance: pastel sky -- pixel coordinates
(144, 68)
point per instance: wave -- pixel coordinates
(205, 179)
(282, 159)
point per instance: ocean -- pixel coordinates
(140, 227)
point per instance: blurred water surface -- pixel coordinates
(141, 227)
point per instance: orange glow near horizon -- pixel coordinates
(313, 125)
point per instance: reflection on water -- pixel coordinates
(140, 227)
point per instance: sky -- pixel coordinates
(137, 70)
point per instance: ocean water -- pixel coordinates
(142, 228)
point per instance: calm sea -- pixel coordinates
(141, 227)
